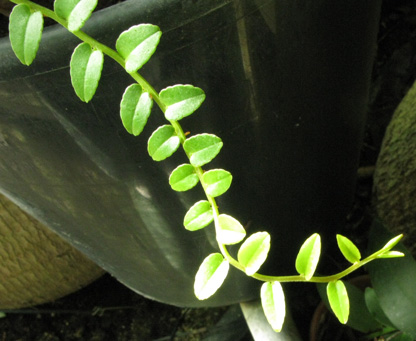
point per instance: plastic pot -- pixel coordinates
(286, 84)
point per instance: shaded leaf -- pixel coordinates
(229, 230)
(338, 300)
(374, 307)
(75, 12)
(135, 108)
(25, 32)
(217, 182)
(273, 303)
(183, 178)
(253, 252)
(85, 68)
(210, 276)
(348, 249)
(198, 216)
(308, 256)
(181, 100)
(137, 45)
(202, 148)
(163, 143)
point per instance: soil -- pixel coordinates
(106, 310)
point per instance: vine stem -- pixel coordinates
(113, 54)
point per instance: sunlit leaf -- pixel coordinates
(392, 243)
(217, 181)
(137, 45)
(391, 254)
(135, 108)
(210, 276)
(229, 230)
(181, 100)
(25, 32)
(85, 67)
(202, 148)
(198, 216)
(253, 252)
(348, 249)
(273, 303)
(183, 178)
(308, 256)
(75, 12)
(163, 143)
(338, 300)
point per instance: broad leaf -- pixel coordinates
(137, 45)
(229, 230)
(75, 12)
(253, 252)
(202, 148)
(198, 216)
(163, 143)
(25, 32)
(308, 256)
(135, 108)
(210, 276)
(348, 249)
(217, 182)
(181, 101)
(338, 300)
(273, 303)
(85, 67)
(183, 178)
(374, 307)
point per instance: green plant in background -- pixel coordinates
(134, 47)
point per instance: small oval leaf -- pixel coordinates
(163, 143)
(181, 100)
(25, 32)
(391, 254)
(137, 45)
(253, 252)
(338, 300)
(198, 216)
(210, 276)
(85, 68)
(75, 12)
(217, 182)
(183, 178)
(229, 230)
(202, 148)
(135, 108)
(308, 256)
(392, 243)
(348, 249)
(273, 303)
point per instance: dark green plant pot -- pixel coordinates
(286, 84)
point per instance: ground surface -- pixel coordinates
(108, 311)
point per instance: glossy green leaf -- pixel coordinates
(183, 178)
(229, 230)
(75, 12)
(135, 108)
(273, 303)
(217, 181)
(348, 249)
(210, 276)
(137, 45)
(25, 32)
(202, 148)
(253, 252)
(338, 300)
(198, 216)
(163, 143)
(374, 307)
(308, 256)
(181, 100)
(394, 280)
(85, 67)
